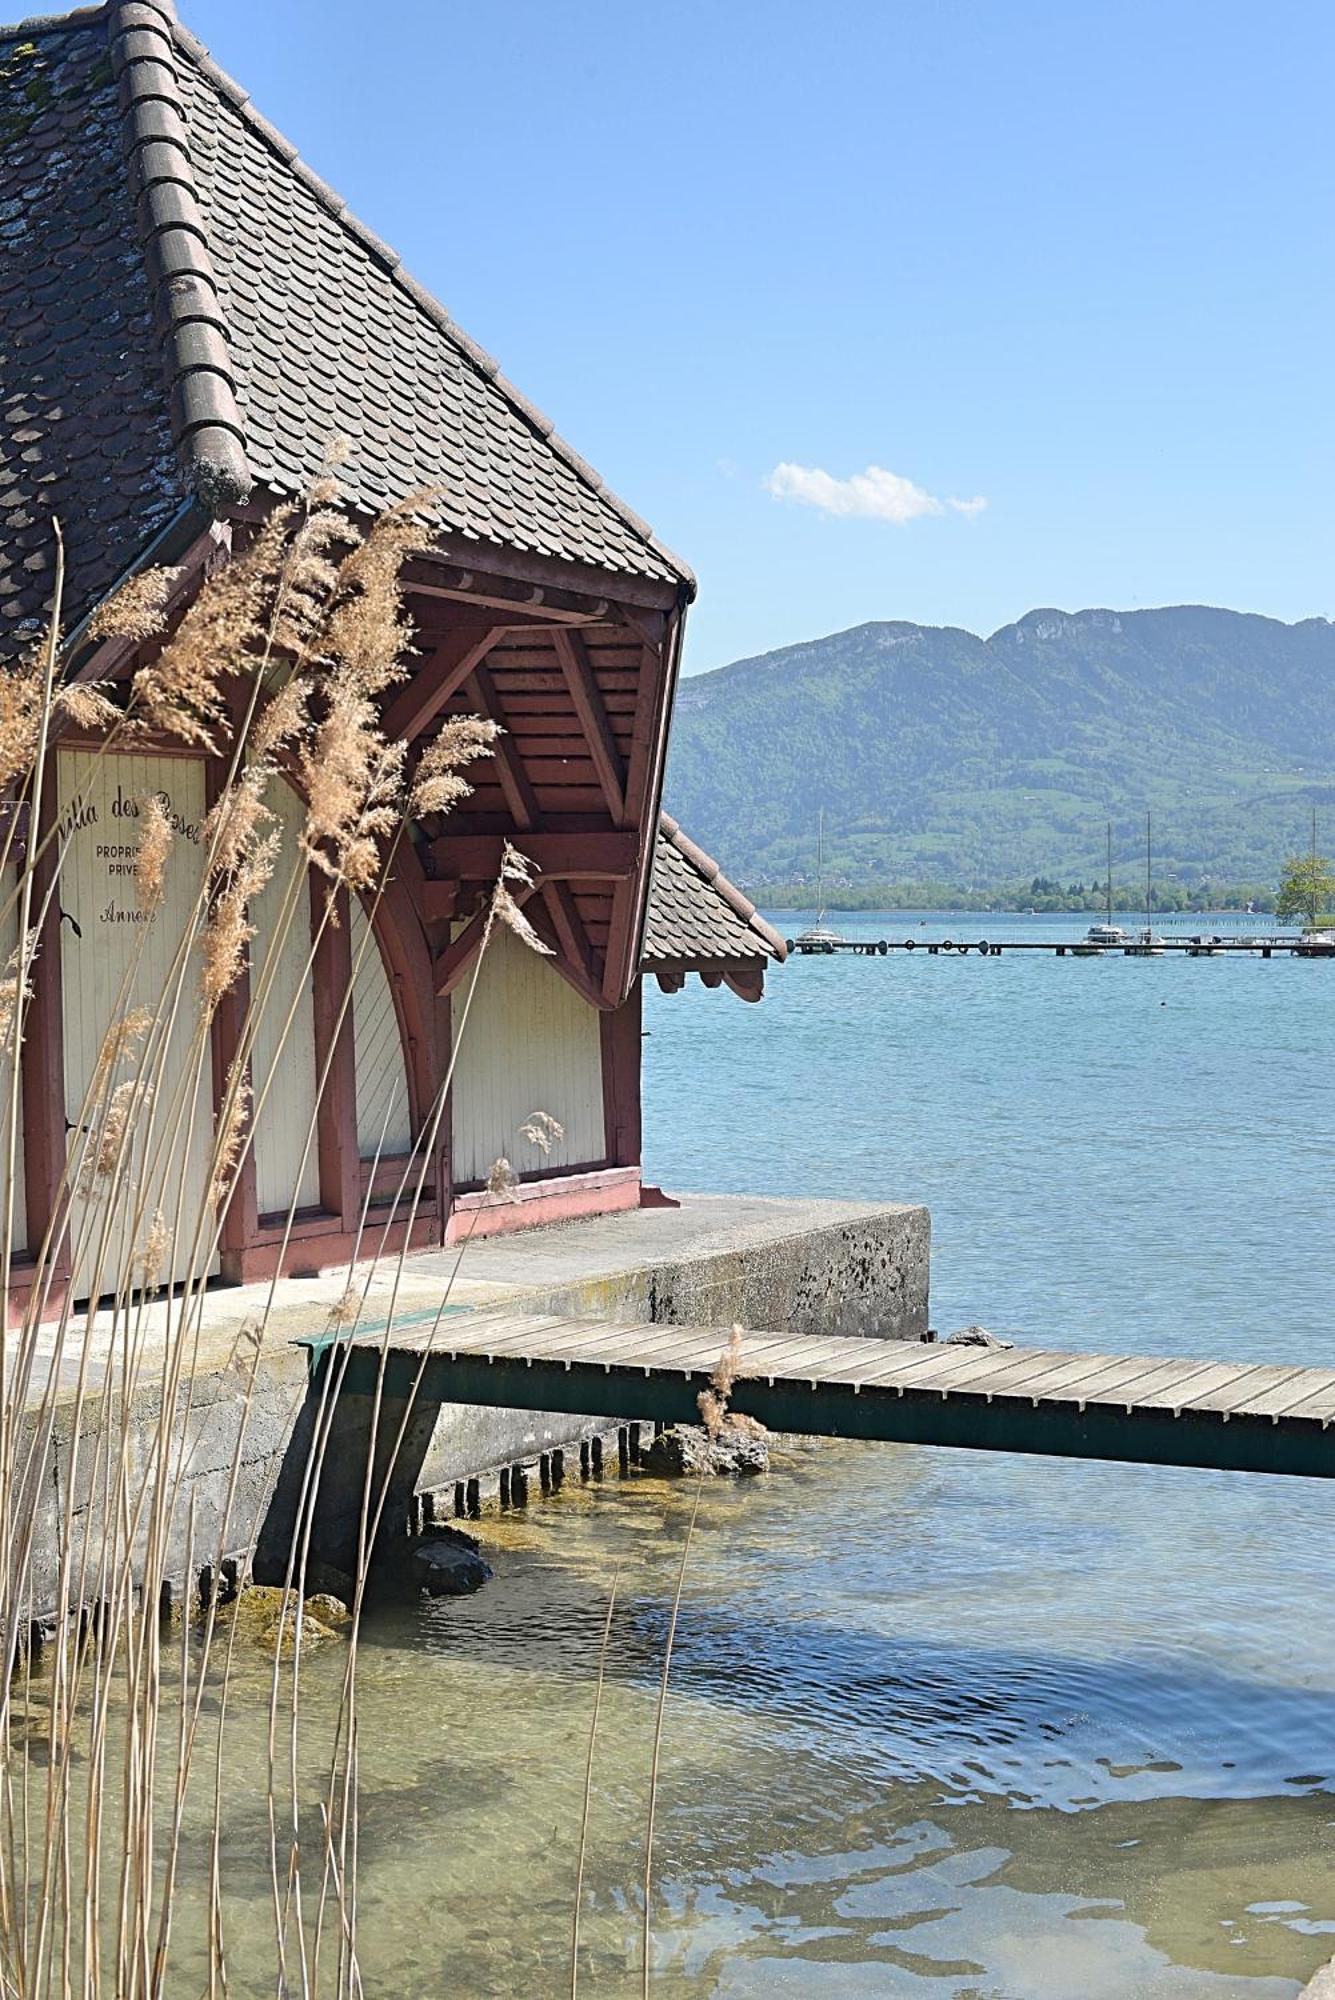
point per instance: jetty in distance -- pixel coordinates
(1306, 944)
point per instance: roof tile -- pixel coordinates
(323, 332)
(696, 916)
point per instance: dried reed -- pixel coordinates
(275, 669)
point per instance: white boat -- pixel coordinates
(1105, 936)
(819, 937)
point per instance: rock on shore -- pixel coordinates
(735, 1448)
(450, 1563)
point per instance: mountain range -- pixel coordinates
(948, 761)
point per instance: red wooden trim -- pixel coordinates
(642, 733)
(513, 778)
(24, 1278)
(645, 788)
(559, 1198)
(551, 572)
(381, 1179)
(622, 1044)
(336, 1113)
(42, 1060)
(112, 657)
(618, 929)
(559, 857)
(587, 698)
(452, 659)
(569, 928)
(452, 963)
(423, 1024)
(309, 1254)
(440, 900)
(239, 1219)
(586, 586)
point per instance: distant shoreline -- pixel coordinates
(962, 903)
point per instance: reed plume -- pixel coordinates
(276, 671)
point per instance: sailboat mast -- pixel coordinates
(1108, 884)
(1148, 925)
(820, 867)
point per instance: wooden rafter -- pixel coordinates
(615, 981)
(642, 734)
(458, 651)
(510, 773)
(558, 857)
(569, 928)
(659, 669)
(582, 684)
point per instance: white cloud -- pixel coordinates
(875, 494)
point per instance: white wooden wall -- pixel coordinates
(97, 890)
(531, 1044)
(284, 1056)
(383, 1122)
(9, 935)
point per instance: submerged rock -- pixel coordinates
(449, 1563)
(257, 1615)
(977, 1336)
(331, 1611)
(736, 1448)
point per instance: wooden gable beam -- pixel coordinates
(586, 695)
(558, 922)
(558, 857)
(569, 928)
(510, 772)
(452, 963)
(458, 652)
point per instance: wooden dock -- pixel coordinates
(1230, 1415)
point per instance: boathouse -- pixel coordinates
(188, 318)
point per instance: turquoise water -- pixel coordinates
(941, 1726)
(1102, 1664)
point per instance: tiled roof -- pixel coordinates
(172, 272)
(696, 916)
(85, 433)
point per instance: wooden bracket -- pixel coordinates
(582, 683)
(452, 659)
(513, 778)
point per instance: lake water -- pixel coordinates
(940, 1724)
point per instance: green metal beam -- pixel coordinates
(834, 1409)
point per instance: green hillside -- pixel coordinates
(945, 760)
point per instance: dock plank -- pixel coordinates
(1160, 1409)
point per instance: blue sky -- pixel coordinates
(799, 278)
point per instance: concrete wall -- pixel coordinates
(811, 1267)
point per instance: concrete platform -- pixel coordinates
(837, 1268)
(814, 1266)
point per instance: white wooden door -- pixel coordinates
(113, 961)
(282, 1064)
